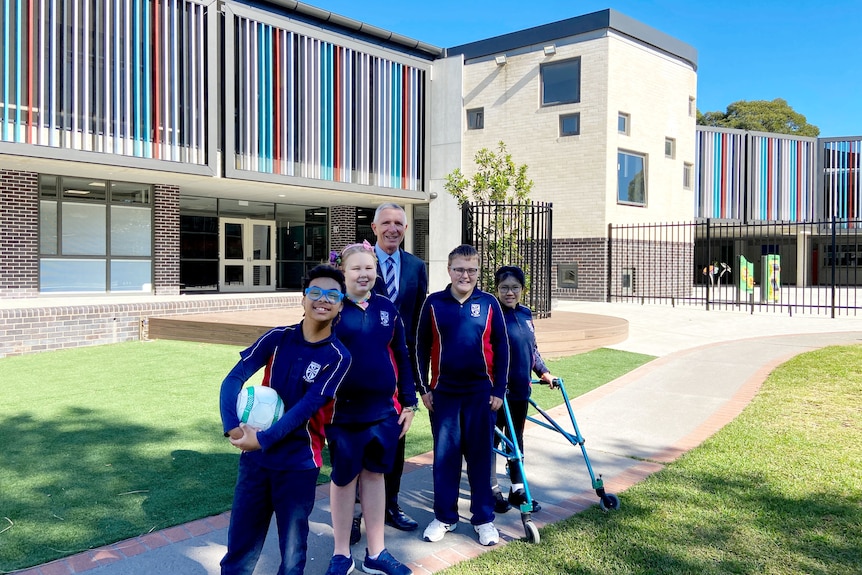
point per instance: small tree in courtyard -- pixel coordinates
(505, 188)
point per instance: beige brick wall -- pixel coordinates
(578, 173)
(654, 89)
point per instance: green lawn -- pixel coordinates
(110, 442)
(778, 491)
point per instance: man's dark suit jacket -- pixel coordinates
(412, 290)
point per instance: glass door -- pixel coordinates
(247, 249)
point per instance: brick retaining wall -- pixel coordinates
(33, 329)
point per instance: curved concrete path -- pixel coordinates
(710, 365)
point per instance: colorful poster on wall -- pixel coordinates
(746, 276)
(770, 287)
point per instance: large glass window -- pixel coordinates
(199, 248)
(86, 223)
(301, 242)
(631, 178)
(561, 82)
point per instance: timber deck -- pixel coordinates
(564, 333)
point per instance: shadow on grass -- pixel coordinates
(82, 480)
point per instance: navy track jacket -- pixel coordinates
(375, 338)
(465, 345)
(525, 354)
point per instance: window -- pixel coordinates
(94, 236)
(561, 82)
(631, 178)
(692, 109)
(570, 124)
(687, 170)
(623, 123)
(476, 119)
(669, 148)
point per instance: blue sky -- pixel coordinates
(805, 51)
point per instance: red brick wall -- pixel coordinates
(591, 255)
(19, 234)
(29, 330)
(342, 218)
(166, 254)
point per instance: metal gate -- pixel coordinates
(808, 267)
(513, 234)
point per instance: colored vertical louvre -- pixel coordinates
(331, 112)
(719, 178)
(109, 76)
(783, 187)
(753, 176)
(842, 177)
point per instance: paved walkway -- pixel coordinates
(710, 365)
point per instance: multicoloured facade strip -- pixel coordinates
(754, 176)
(310, 108)
(131, 78)
(841, 164)
(125, 77)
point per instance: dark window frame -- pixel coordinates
(476, 119)
(559, 66)
(576, 116)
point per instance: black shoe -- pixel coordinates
(355, 534)
(536, 506)
(517, 497)
(500, 503)
(395, 517)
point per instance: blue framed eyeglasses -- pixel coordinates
(332, 296)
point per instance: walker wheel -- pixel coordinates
(532, 531)
(609, 502)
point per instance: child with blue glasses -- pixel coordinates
(305, 363)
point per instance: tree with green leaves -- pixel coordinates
(504, 188)
(774, 116)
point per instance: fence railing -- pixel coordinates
(809, 267)
(513, 234)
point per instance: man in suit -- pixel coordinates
(401, 277)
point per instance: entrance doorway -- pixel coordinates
(247, 255)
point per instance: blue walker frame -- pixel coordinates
(511, 451)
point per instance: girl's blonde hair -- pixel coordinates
(355, 249)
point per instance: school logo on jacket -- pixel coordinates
(311, 371)
(475, 309)
(384, 318)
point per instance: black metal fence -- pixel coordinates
(513, 234)
(809, 267)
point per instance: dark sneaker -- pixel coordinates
(355, 533)
(500, 503)
(517, 497)
(340, 565)
(536, 506)
(385, 564)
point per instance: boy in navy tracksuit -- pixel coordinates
(278, 468)
(462, 336)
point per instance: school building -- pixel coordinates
(213, 150)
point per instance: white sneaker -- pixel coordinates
(436, 530)
(488, 534)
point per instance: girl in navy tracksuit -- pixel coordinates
(461, 335)
(509, 283)
(365, 426)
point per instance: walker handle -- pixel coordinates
(557, 381)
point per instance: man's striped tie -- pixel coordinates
(391, 281)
